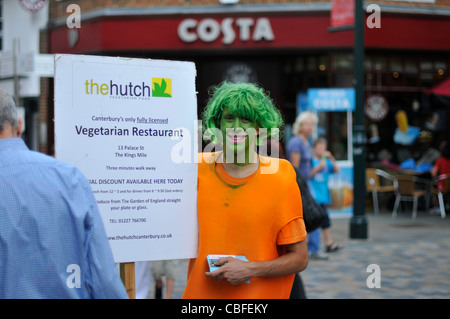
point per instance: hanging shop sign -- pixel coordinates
(342, 13)
(331, 100)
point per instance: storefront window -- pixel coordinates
(380, 63)
(400, 72)
(311, 63)
(322, 67)
(342, 67)
(316, 71)
(426, 79)
(342, 61)
(426, 66)
(411, 72)
(426, 73)
(342, 80)
(411, 66)
(441, 70)
(379, 71)
(396, 69)
(396, 65)
(333, 126)
(299, 65)
(287, 67)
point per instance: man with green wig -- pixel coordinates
(249, 205)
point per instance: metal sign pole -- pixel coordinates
(358, 223)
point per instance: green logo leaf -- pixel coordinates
(162, 87)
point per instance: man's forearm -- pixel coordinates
(289, 263)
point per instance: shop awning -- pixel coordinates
(442, 89)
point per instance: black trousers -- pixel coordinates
(298, 291)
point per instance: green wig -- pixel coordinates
(245, 100)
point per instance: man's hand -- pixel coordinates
(232, 270)
(236, 271)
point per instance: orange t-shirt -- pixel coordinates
(250, 216)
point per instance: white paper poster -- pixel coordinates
(130, 125)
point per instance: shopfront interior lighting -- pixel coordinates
(227, 2)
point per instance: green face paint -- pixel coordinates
(255, 111)
(239, 137)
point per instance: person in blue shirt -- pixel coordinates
(52, 240)
(323, 164)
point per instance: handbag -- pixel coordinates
(314, 215)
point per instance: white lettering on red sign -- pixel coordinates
(209, 30)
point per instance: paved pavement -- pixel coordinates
(412, 259)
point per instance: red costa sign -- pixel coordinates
(166, 33)
(209, 30)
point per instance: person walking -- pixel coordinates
(52, 239)
(323, 164)
(299, 153)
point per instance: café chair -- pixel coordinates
(380, 182)
(410, 188)
(441, 187)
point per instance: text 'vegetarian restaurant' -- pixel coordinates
(289, 49)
